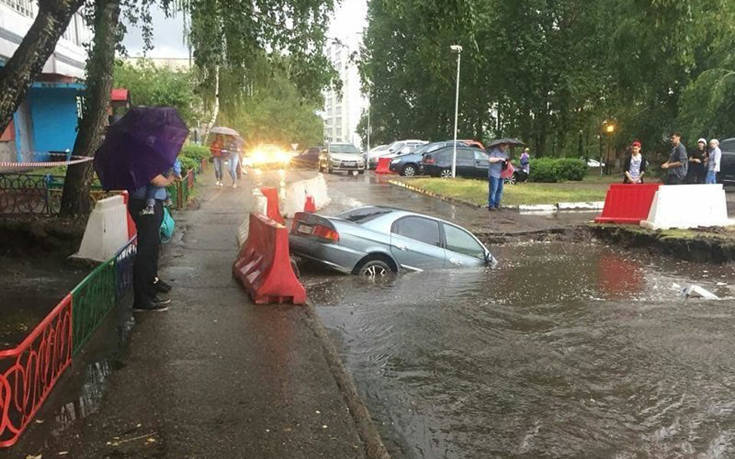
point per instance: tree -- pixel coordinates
(107, 34)
(28, 60)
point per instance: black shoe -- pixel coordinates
(154, 307)
(159, 300)
(161, 286)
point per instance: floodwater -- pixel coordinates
(565, 349)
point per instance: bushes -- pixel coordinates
(195, 152)
(557, 169)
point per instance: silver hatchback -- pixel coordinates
(375, 241)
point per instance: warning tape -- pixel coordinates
(15, 165)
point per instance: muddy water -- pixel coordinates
(564, 350)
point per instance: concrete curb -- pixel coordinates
(560, 206)
(374, 447)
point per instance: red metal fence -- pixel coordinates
(29, 371)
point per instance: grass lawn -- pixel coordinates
(592, 188)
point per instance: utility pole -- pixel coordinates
(456, 49)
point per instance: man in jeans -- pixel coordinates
(713, 162)
(677, 163)
(498, 157)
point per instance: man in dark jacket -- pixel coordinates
(677, 163)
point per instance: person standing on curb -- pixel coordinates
(498, 160)
(677, 163)
(635, 165)
(713, 162)
(145, 268)
(697, 171)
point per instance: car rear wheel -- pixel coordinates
(409, 170)
(374, 269)
(446, 173)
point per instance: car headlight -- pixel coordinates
(395, 161)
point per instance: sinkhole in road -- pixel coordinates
(563, 349)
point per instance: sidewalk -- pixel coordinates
(216, 376)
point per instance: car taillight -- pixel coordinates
(428, 160)
(325, 232)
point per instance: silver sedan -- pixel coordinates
(375, 241)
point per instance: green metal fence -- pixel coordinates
(92, 300)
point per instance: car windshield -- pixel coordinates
(363, 214)
(343, 148)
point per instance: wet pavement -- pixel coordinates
(566, 349)
(214, 376)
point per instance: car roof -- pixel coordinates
(404, 212)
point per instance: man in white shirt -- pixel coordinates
(713, 162)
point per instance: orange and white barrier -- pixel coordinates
(297, 194)
(263, 265)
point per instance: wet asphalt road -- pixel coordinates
(566, 349)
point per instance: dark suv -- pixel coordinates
(727, 167)
(471, 162)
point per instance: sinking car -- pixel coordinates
(376, 241)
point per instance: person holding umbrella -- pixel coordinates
(226, 146)
(499, 161)
(137, 151)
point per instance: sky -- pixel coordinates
(348, 22)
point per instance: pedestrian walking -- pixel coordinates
(635, 165)
(713, 162)
(697, 168)
(498, 160)
(232, 149)
(216, 148)
(676, 166)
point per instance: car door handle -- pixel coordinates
(400, 246)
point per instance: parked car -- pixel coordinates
(342, 157)
(594, 163)
(471, 162)
(727, 167)
(409, 164)
(309, 158)
(394, 149)
(372, 156)
(474, 143)
(375, 241)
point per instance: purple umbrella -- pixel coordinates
(141, 145)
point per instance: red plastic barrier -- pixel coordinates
(272, 211)
(310, 205)
(383, 166)
(29, 371)
(264, 265)
(627, 203)
(132, 230)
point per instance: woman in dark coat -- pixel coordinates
(697, 169)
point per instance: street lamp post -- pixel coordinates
(456, 49)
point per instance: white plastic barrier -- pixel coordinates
(106, 231)
(295, 196)
(688, 206)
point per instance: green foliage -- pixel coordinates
(188, 163)
(195, 152)
(151, 85)
(551, 72)
(552, 170)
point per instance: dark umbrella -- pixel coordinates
(139, 146)
(507, 141)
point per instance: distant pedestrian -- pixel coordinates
(216, 148)
(498, 159)
(635, 165)
(697, 158)
(713, 162)
(525, 161)
(677, 163)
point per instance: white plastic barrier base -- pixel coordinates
(296, 193)
(107, 230)
(688, 206)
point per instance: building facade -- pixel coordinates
(46, 121)
(342, 112)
